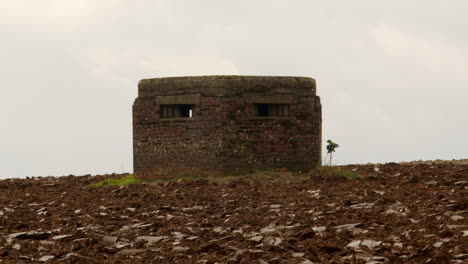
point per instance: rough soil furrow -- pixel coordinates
(395, 213)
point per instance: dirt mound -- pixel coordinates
(395, 213)
(438, 161)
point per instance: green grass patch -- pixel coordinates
(266, 176)
(124, 181)
(334, 172)
(350, 174)
(271, 175)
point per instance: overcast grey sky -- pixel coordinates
(393, 75)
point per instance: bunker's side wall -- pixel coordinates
(225, 137)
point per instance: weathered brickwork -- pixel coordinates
(238, 124)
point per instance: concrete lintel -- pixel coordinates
(258, 98)
(178, 99)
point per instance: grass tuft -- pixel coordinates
(124, 181)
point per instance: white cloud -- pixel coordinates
(49, 14)
(108, 64)
(422, 53)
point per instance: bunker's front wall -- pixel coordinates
(225, 137)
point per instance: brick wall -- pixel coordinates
(225, 136)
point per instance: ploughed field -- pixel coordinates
(394, 213)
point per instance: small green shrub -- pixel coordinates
(330, 149)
